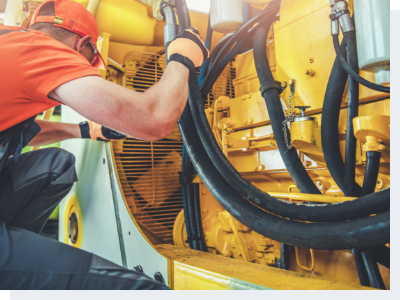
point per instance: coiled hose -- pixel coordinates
(350, 186)
(316, 213)
(371, 172)
(350, 71)
(340, 235)
(329, 123)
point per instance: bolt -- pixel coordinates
(307, 163)
(205, 210)
(261, 167)
(253, 143)
(272, 144)
(292, 81)
(250, 247)
(311, 60)
(381, 147)
(284, 85)
(228, 253)
(309, 72)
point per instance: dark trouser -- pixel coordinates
(30, 189)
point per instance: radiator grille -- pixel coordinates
(148, 171)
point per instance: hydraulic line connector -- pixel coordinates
(340, 15)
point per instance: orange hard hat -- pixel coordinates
(74, 17)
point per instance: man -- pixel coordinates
(51, 63)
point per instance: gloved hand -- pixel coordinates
(97, 132)
(188, 45)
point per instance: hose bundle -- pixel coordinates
(350, 225)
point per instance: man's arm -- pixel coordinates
(54, 132)
(149, 116)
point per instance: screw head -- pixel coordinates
(311, 60)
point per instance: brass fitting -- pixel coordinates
(372, 144)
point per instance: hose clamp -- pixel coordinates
(341, 13)
(272, 85)
(335, 27)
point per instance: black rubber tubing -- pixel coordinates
(284, 256)
(330, 236)
(351, 72)
(330, 120)
(183, 14)
(361, 207)
(362, 271)
(373, 272)
(199, 226)
(350, 187)
(216, 72)
(382, 255)
(271, 9)
(371, 172)
(275, 111)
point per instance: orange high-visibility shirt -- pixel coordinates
(32, 64)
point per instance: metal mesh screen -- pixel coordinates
(148, 171)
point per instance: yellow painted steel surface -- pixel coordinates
(73, 207)
(195, 270)
(131, 22)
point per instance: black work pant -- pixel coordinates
(30, 190)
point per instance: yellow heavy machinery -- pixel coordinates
(278, 173)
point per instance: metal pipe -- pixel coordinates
(312, 197)
(93, 6)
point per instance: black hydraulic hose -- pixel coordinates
(330, 120)
(350, 187)
(284, 256)
(362, 271)
(216, 72)
(211, 60)
(382, 255)
(331, 236)
(185, 198)
(272, 9)
(371, 172)
(374, 274)
(351, 72)
(199, 226)
(315, 213)
(183, 14)
(277, 116)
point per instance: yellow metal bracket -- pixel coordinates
(312, 251)
(373, 132)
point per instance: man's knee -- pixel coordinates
(58, 165)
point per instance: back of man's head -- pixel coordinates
(60, 34)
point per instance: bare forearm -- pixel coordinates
(170, 93)
(54, 132)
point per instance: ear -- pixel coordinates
(81, 43)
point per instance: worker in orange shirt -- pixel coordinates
(54, 62)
